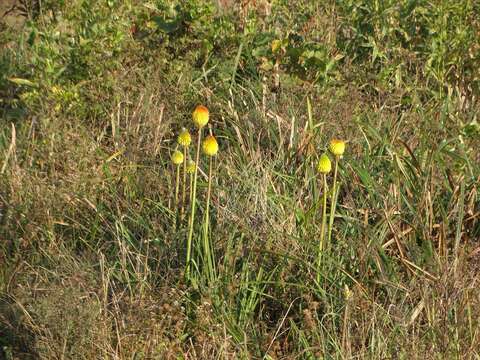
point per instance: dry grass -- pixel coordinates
(91, 266)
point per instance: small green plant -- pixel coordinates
(200, 119)
(337, 148)
(324, 166)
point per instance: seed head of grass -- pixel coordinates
(190, 166)
(337, 147)
(177, 157)
(210, 146)
(184, 138)
(200, 116)
(324, 164)
(276, 45)
(347, 293)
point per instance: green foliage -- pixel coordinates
(297, 56)
(437, 39)
(68, 53)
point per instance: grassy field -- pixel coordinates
(94, 245)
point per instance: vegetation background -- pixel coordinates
(92, 96)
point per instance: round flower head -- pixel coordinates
(200, 116)
(190, 166)
(324, 164)
(177, 157)
(210, 145)
(184, 138)
(337, 147)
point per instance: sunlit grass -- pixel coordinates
(289, 244)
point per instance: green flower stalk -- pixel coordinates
(210, 148)
(190, 170)
(337, 148)
(324, 167)
(200, 118)
(177, 159)
(184, 139)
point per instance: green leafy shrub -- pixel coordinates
(437, 39)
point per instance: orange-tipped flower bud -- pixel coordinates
(200, 116)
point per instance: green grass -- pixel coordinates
(92, 97)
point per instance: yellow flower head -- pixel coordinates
(190, 166)
(200, 116)
(184, 138)
(177, 157)
(210, 145)
(324, 164)
(337, 147)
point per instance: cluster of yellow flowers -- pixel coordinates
(337, 148)
(324, 166)
(209, 146)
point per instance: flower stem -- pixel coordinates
(190, 188)
(333, 202)
(192, 212)
(177, 184)
(208, 250)
(345, 330)
(184, 185)
(324, 222)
